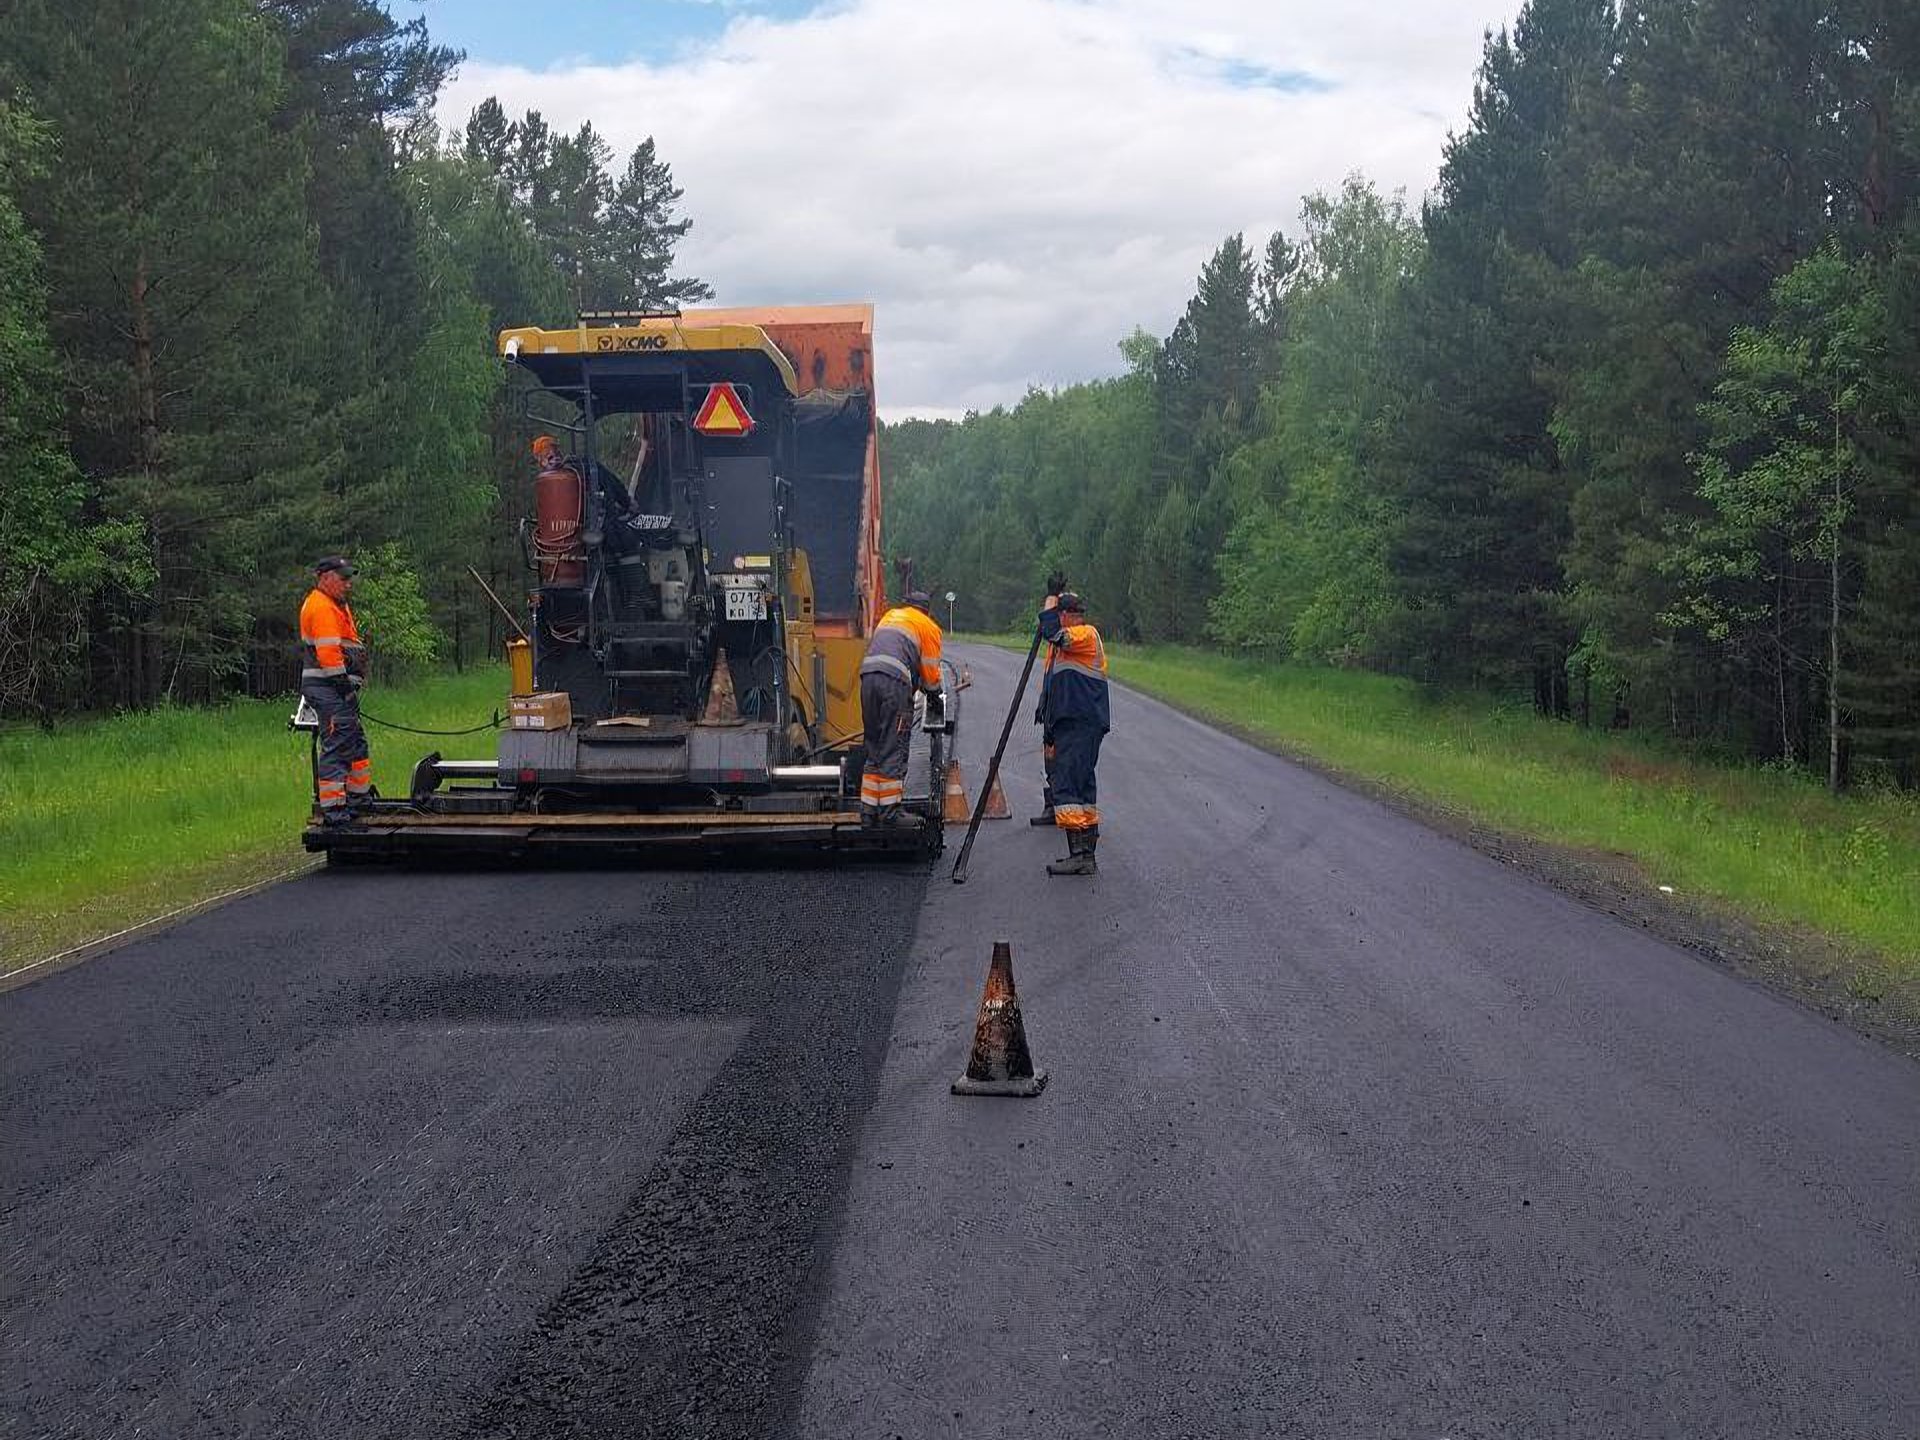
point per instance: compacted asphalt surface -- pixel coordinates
(1350, 1131)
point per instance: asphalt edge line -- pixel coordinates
(90, 949)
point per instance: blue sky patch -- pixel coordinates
(1246, 75)
(1292, 82)
(540, 34)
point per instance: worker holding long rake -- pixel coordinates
(1075, 718)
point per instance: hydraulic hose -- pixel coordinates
(493, 724)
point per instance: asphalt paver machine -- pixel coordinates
(704, 567)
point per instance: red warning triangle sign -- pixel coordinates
(723, 413)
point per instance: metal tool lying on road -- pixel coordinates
(705, 569)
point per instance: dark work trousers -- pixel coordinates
(886, 713)
(1046, 766)
(1076, 754)
(342, 766)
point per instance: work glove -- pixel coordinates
(1056, 582)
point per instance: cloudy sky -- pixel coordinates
(1015, 184)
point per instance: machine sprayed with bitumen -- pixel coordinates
(703, 558)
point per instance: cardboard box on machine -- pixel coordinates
(543, 710)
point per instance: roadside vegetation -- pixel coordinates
(106, 823)
(1621, 418)
(1765, 842)
(249, 289)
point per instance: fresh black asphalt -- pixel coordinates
(441, 1154)
(1351, 1132)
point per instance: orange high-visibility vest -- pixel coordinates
(1074, 686)
(329, 640)
(905, 643)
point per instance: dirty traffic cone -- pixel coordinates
(997, 807)
(722, 709)
(966, 677)
(953, 805)
(1001, 1063)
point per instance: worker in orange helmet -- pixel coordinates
(904, 653)
(333, 670)
(1076, 716)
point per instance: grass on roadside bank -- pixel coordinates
(109, 822)
(1770, 845)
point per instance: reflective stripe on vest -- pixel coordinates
(887, 665)
(1057, 659)
(910, 639)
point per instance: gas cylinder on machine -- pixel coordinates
(559, 504)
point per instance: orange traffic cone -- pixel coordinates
(997, 807)
(1001, 1063)
(953, 805)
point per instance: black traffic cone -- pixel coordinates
(1001, 1063)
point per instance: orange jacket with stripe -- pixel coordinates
(1075, 687)
(905, 644)
(330, 647)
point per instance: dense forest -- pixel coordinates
(1623, 422)
(248, 295)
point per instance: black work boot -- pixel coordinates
(1079, 861)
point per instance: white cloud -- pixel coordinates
(1016, 184)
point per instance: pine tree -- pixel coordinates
(1694, 185)
(1480, 500)
(488, 140)
(188, 293)
(576, 176)
(642, 236)
(51, 560)
(1882, 688)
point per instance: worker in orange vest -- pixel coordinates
(1076, 716)
(903, 654)
(334, 667)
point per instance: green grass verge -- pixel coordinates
(106, 823)
(1765, 844)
